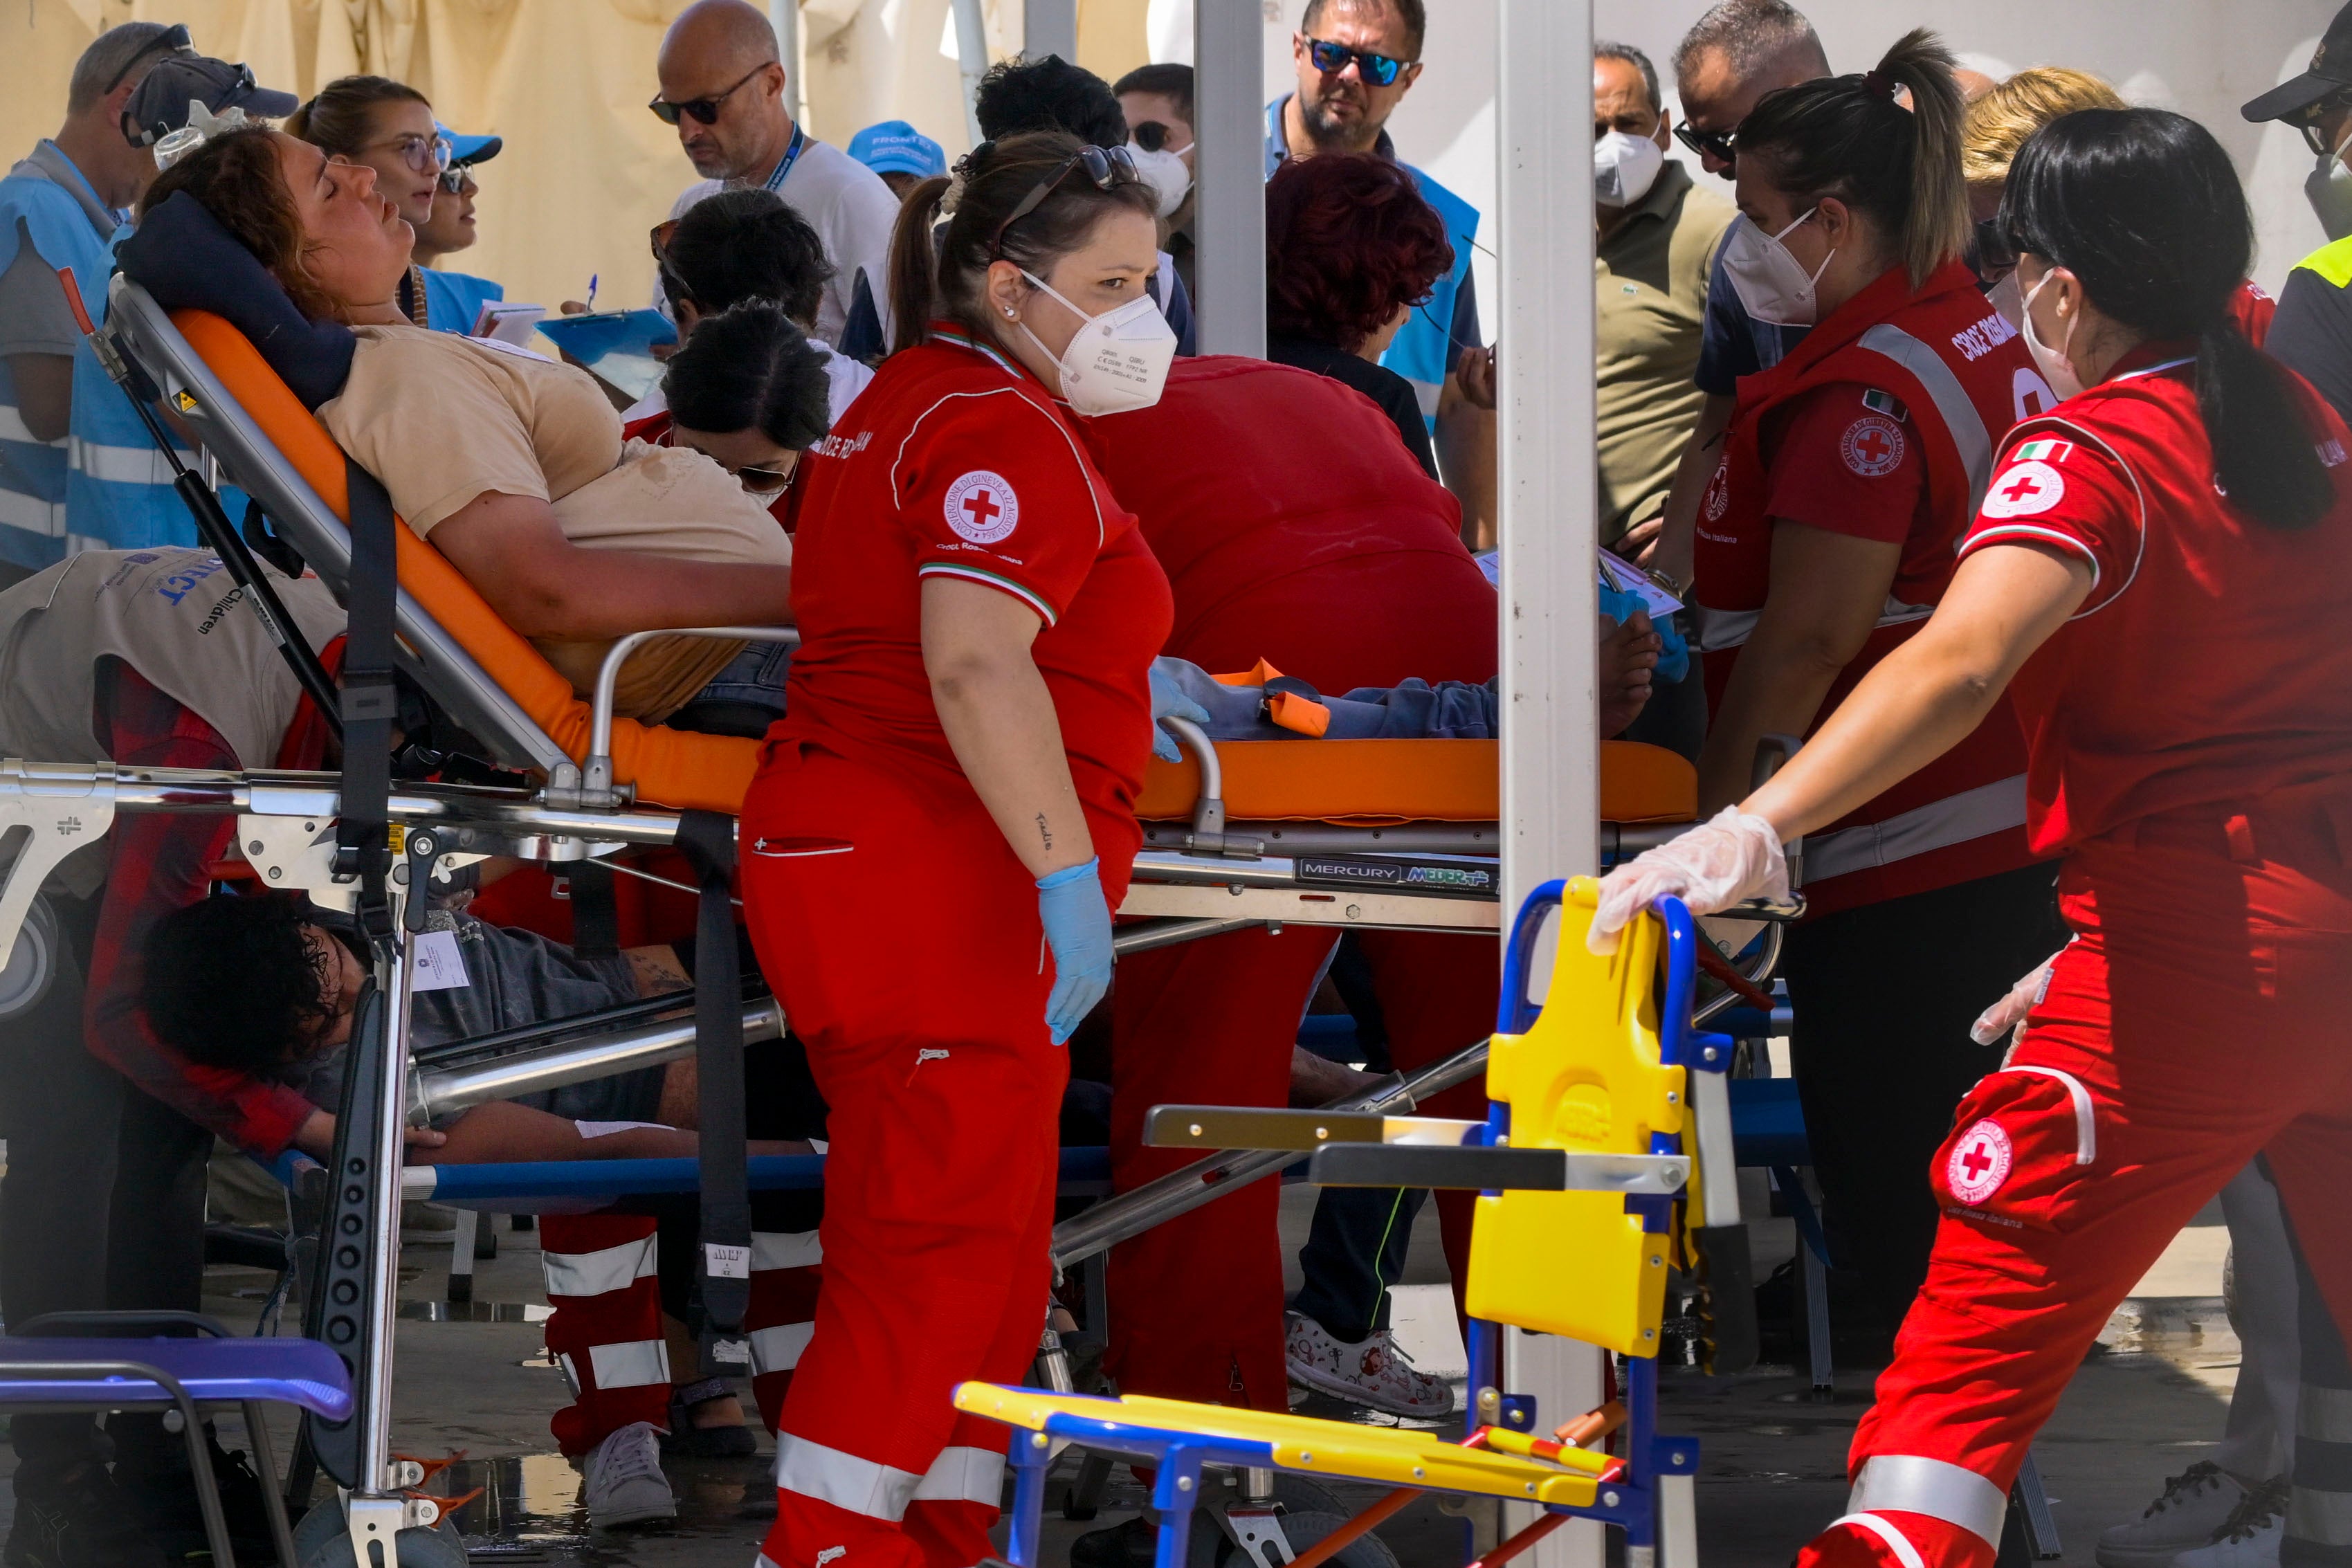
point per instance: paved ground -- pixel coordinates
(2142, 1407)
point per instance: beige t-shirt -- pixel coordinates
(443, 419)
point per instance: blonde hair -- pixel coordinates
(1999, 122)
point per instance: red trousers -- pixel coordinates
(2197, 1020)
(1196, 1303)
(606, 1330)
(903, 938)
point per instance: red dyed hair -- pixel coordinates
(1348, 240)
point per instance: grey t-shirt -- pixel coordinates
(34, 316)
(515, 978)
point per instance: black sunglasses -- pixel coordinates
(2306, 119)
(1993, 249)
(1715, 144)
(1106, 166)
(171, 40)
(1378, 70)
(704, 110)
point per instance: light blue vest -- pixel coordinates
(1423, 350)
(453, 300)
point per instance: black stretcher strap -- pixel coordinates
(595, 914)
(371, 701)
(723, 1281)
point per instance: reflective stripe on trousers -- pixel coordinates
(1910, 1483)
(882, 1491)
(606, 1269)
(1988, 808)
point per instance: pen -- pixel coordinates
(591, 290)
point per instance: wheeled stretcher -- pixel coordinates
(1606, 1155)
(1268, 832)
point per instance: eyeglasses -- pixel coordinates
(704, 110)
(663, 233)
(2307, 119)
(423, 155)
(1106, 166)
(1715, 144)
(455, 178)
(1378, 71)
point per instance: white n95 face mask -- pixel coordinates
(1116, 361)
(1169, 174)
(1625, 168)
(1772, 284)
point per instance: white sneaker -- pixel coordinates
(2250, 1536)
(2195, 1505)
(1373, 1373)
(621, 1480)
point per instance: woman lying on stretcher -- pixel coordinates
(510, 464)
(266, 984)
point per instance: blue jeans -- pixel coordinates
(742, 698)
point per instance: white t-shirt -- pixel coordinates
(852, 213)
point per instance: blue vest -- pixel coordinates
(33, 474)
(453, 300)
(1423, 350)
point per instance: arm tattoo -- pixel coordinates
(1045, 830)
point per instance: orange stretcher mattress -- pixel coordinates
(1378, 782)
(1367, 782)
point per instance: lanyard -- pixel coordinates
(792, 154)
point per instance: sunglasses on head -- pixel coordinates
(1715, 144)
(1378, 71)
(171, 40)
(702, 110)
(1106, 166)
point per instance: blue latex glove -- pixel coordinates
(1169, 702)
(1077, 928)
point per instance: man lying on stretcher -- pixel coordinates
(266, 984)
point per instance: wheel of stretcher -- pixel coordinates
(320, 1541)
(1298, 1494)
(32, 963)
(1304, 1530)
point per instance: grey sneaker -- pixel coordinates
(621, 1480)
(1373, 1374)
(2194, 1506)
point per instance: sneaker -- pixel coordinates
(78, 1520)
(2249, 1537)
(2193, 1508)
(1373, 1373)
(689, 1441)
(621, 1480)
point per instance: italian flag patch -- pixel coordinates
(2042, 452)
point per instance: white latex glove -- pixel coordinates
(1710, 868)
(2010, 1012)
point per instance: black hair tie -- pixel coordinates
(1878, 85)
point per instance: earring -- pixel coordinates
(1010, 312)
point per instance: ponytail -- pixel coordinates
(914, 265)
(2143, 206)
(946, 275)
(1848, 137)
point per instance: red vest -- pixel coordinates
(1963, 377)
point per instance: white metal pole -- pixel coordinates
(1548, 532)
(1050, 28)
(1229, 169)
(971, 57)
(784, 16)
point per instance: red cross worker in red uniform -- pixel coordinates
(2150, 581)
(1826, 536)
(1345, 573)
(942, 825)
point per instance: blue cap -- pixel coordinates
(895, 147)
(465, 150)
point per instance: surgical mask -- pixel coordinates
(1625, 168)
(1772, 284)
(2006, 301)
(1116, 361)
(2329, 189)
(2056, 367)
(1169, 174)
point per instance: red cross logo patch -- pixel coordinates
(981, 508)
(1872, 446)
(2023, 489)
(1978, 1163)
